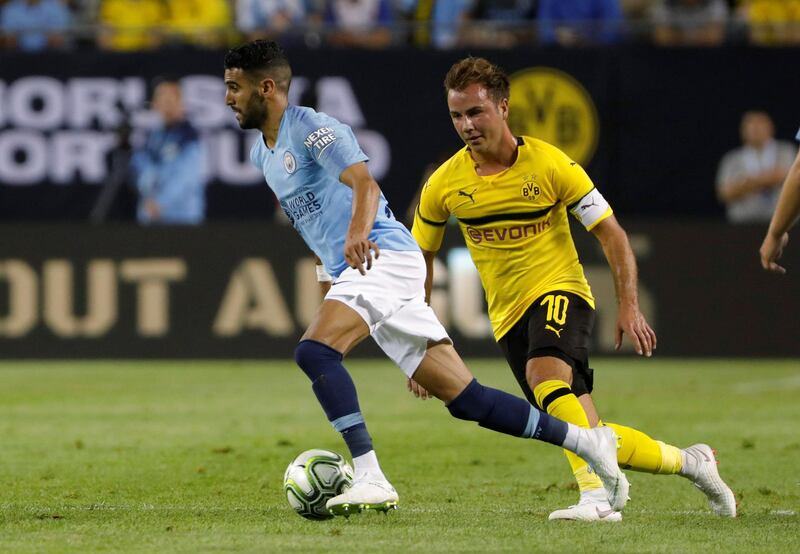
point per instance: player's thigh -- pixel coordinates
(559, 332)
(338, 326)
(442, 372)
(357, 305)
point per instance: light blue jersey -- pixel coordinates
(303, 171)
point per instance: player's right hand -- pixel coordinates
(417, 390)
(771, 251)
(358, 253)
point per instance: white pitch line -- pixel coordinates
(755, 387)
(125, 508)
(788, 513)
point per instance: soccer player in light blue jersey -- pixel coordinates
(318, 172)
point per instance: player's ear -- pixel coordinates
(267, 86)
(503, 108)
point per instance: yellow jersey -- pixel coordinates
(514, 224)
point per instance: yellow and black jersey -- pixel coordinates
(515, 224)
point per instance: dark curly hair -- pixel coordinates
(470, 71)
(263, 57)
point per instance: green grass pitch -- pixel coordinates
(189, 457)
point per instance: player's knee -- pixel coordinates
(314, 357)
(471, 404)
(546, 366)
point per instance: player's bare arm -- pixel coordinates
(622, 262)
(358, 249)
(429, 257)
(785, 216)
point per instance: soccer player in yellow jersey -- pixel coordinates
(511, 196)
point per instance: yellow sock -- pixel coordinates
(556, 398)
(641, 453)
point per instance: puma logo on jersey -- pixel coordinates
(468, 194)
(549, 327)
(587, 206)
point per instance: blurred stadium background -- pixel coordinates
(647, 100)
(648, 96)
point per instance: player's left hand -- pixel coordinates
(417, 390)
(631, 322)
(358, 253)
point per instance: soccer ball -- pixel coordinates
(313, 478)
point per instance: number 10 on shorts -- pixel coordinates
(556, 308)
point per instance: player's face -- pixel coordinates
(243, 97)
(477, 118)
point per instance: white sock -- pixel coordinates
(367, 463)
(594, 496)
(688, 465)
(572, 438)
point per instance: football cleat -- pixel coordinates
(588, 509)
(368, 492)
(598, 447)
(700, 467)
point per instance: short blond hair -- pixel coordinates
(470, 71)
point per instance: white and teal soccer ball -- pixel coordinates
(313, 478)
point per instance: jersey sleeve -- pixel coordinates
(334, 147)
(576, 190)
(430, 218)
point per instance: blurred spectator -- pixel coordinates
(437, 22)
(168, 167)
(84, 20)
(637, 17)
(199, 22)
(34, 25)
(576, 22)
(360, 23)
(749, 178)
(131, 24)
(689, 22)
(282, 20)
(772, 22)
(499, 23)
(636, 8)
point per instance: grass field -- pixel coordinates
(189, 457)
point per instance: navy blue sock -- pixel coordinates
(503, 412)
(336, 393)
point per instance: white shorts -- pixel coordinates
(390, 298)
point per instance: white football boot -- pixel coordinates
(369, 491)
(593, 506)
(700, 467)
(598, 446)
